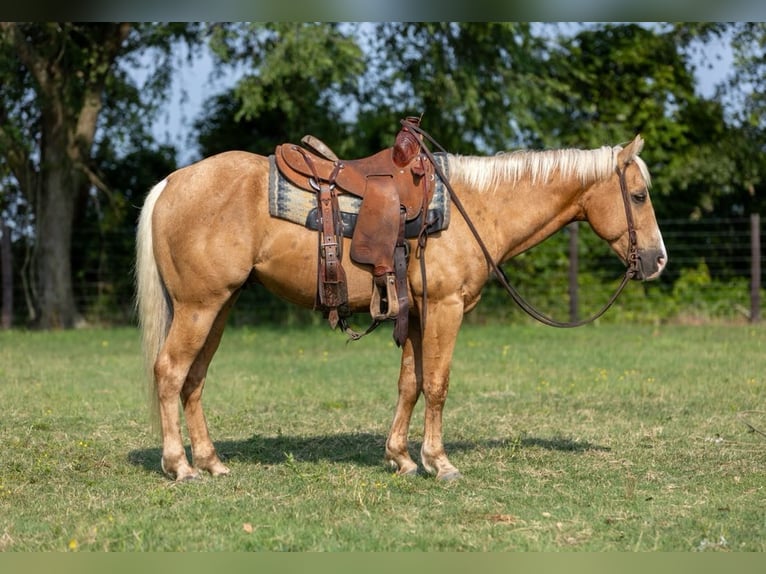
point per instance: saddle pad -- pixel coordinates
(300, 206)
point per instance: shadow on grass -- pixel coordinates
(357, 448)
(562, 444)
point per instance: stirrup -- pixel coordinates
(382, 308)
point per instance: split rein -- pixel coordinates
(632, 257)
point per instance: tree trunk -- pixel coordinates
(6, 277)
(53, 264)
(55, 216)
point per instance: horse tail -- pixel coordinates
(152, 304)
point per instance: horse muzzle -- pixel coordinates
(649, 264)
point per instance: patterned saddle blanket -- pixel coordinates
(297, 205)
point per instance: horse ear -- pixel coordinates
(630, 151)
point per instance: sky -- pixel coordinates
(192, 87)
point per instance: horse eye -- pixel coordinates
(640, 197)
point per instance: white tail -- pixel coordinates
(154, 313)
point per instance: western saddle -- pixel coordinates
(396, 185)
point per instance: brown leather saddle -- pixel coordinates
(396, 186)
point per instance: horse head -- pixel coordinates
(619, 209)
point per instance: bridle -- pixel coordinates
(632, 258)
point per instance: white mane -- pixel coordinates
(539, 166)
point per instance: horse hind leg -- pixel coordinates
(188, 335)
(204, 455)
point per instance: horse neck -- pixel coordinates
(515, 209)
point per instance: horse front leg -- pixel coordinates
(410, 385)
(441, 330)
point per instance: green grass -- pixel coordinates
(607, 437)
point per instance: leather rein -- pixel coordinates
(632, 256)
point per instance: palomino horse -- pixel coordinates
(205, 230)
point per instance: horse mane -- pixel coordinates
(591, 165)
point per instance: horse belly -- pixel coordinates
(287, 265)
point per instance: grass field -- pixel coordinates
(631, 438)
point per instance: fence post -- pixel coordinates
(755, 268)
(574, 302)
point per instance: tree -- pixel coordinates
(473, 82)
(721, 164)
(351, 83)
(749, 81)
(612, 82)
(6, 273)
(300, 78)
(63, 86)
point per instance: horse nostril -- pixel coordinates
(661, 261)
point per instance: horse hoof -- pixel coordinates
(219, 470)
(449, 476)
(187, 477)
(409, 472)
(409, 468)
(190, 477)
(183, 474)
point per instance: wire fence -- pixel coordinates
(715, 271)
(717, 263)
(713, 267)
